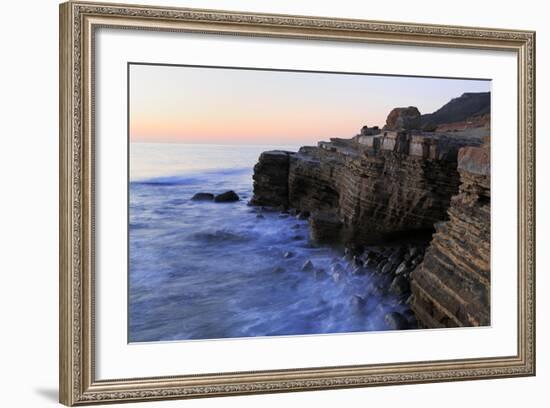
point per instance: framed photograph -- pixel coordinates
(256, 203)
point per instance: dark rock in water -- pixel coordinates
(371, 263)
(396, 321)
(372, 255)
(307, 266)
(288, 254)
(402, 268)
(227, 197)
(295, 226)
(400, 285)
(303, 215)
(396, 256)
(388, 268)
(358, 271)
(260, 216)
(319, 274)
(357, 302)
(357, 261)
(381, 266)
(203, 197)
(374, 289)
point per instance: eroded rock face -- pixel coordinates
(325, 226)
(377, 186)
(403, 118)
(271, 179)
(451, 287)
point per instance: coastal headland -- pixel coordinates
(409, 200)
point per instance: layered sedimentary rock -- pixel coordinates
(401, 182)
(451, 287)
(271, 179)
(373, 186)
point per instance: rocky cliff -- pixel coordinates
(451, 287)
(365, 189)
(399, 183)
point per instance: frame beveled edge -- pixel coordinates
(76, 348)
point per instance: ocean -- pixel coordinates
(206, 270)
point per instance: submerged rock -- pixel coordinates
(307, 266)
(227, 197)
(278, 269)
(358, 270)
(303, 215)
(357, 261)
(203, 197)
(357, 302)
(396, 321)
(288, 254)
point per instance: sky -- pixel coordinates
(179, 104)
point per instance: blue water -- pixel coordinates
(205, 270)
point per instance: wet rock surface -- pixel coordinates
(203, 197)
(227, 197)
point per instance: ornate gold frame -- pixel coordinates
(78, 20)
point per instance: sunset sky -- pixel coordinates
(231, 106)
